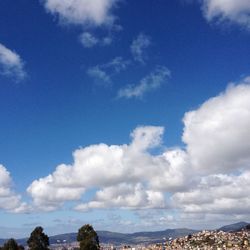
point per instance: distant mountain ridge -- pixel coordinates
(234, 227)
(135, 238)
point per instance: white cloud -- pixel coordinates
(5, 181)
(11, 63)
(174, 176)
(236, 11)
(128, 196)
(217, 133)
(9, 201)
(83, 12)
(122, 174)
(52, 191)
(138, 47)
(149, 83)
(217, 194)
(104, 72)
(217, 138)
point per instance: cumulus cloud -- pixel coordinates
(217, 133)
(149, 83)
(11, 64)
(138, 47)
(83, 12)
(128, 196)
(9, 201)
(209, 178)
(217, 138)
(229, 10)
(105, 72)
(217, 194)
(122, 174)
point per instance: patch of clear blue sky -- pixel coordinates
(58, 107)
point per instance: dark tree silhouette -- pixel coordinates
(11, 244)
(38, 240)
(88, 238)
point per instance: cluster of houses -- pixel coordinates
(208, 240)
(205, 240)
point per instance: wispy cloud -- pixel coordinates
(11, 64)
(149, 83)
(88, 40)
(104, 72)
(138, 47)
(98, 74)
(117, 64)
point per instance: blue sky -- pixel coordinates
(123, 114)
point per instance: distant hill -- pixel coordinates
(143, 237)
(234, 227)
(134, 238)
(120, 238)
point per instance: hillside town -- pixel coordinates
(209, 240)
(205, 240)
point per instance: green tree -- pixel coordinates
(38, 240)
(11, 244)
(88, 238)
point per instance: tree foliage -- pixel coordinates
(38, 240)
(88, 238)
(11, 244)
